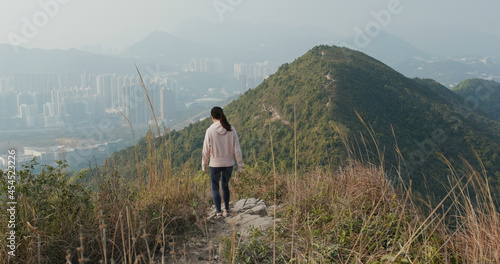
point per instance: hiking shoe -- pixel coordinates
(225, 213)
(218, 215)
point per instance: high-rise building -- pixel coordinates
(4, 85)
(50, 119)
(27, 114)
(239, 69)
(115, 83)
(104, 88)
(8, 105)
(252, 75)
(24, 99)
(96, 107)
(135, 105)
(74, 111)
(56, 99)
(40, 99)
(243, 83)
(88, 80)
(167, 103)
(213, 65)
(118, 82)
(49, 109)
(69, 80)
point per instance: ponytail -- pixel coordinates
(218, 114)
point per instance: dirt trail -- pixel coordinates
(207, 248)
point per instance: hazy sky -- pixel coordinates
(71, 23)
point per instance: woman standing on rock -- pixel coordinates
(221, 145)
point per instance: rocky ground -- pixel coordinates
(207, 248)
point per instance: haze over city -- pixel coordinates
(363, 131)
(116, 22)
(67, 68)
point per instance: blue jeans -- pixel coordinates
(222, 174)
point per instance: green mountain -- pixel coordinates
(481, 95)
(329, 89)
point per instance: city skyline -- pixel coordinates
(194, 54)
(58, 99)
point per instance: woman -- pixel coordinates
(221, 144)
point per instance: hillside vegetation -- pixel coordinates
(351, 215)
(481, 95)
(332, 90)
(389, 170)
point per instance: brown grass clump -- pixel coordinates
(477, 238)
(116, 219)
(351, 214)
(355, 214)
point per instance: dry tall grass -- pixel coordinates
(353, 214)
(123, 219)
(356, 215)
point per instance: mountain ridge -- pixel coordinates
(18, 59)
(256, 43)
(483, 95)
(330, 88)
(163, 44)
(448, 40)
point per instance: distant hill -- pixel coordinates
(37, 60)
(391, 50)
(244, 41)
(247, 35)
(411, 61)
(452, 41)
(329, 87)
(165, 46)
(482, 95)
(451, 71)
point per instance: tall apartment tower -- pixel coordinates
(104, 88)
(167, 102)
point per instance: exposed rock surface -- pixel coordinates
(247, 213)
(243, 215)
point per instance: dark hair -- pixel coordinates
(218, 114)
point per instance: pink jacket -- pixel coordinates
(221, 146)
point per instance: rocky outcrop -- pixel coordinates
(248, 213)
(244, 215)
